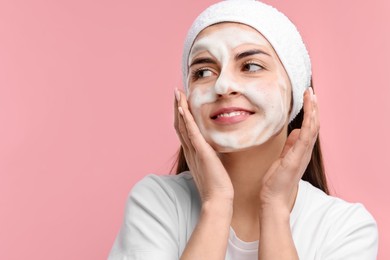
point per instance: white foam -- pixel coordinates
(268, 97)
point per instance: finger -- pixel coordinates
(298, 156)
(180, 128)
(317, 115)
(188, 149)
(184, 135)
(291, 139)
(305, 139)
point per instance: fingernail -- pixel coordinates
(177, 94)
(181, 111)
(311, 94)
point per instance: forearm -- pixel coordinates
(276, 240)
(210, 236)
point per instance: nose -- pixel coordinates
(224, 86)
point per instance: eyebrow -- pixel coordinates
(202, 61)
(241, 55)
(249, 53)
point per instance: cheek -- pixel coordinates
(284, 87)
(199, 96)
(269, 94)
(264, 95)
(270, 100)
(285, 94)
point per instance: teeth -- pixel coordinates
(234, 113)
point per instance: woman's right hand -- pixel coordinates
(209, 237)
(210, 176)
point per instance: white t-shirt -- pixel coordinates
(162, 211)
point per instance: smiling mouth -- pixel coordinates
(231, 114)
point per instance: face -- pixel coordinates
(239, 92)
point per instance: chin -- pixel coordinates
(230, 149)
(233, 148)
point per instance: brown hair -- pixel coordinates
(314, 173)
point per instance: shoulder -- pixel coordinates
(318, 202)
(341, 229)
(169, 187)
(173, 197)
(155, 218)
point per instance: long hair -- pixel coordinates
(314, 173)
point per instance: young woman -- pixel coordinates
(250, 182)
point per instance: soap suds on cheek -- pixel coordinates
(284, 87)
(201, 95)
(268, 98)
(197, 98)
(271, 114)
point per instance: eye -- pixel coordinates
(252, 67)
(202, 73)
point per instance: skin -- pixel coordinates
(252, 189)
(220, 66)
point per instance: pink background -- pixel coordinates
(86, 92)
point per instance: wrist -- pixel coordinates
(275, 212)
(217, 208)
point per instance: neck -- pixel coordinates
(246, 170)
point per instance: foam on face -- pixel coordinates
(268, 96)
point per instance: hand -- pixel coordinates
(281, 180)
(210, 176)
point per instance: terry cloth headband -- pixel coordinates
(280, 32)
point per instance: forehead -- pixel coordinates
(231, 34)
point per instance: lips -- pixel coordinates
(230, 115)
(230, 112)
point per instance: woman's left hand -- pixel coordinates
(281, 181)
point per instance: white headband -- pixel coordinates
(280, 32)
